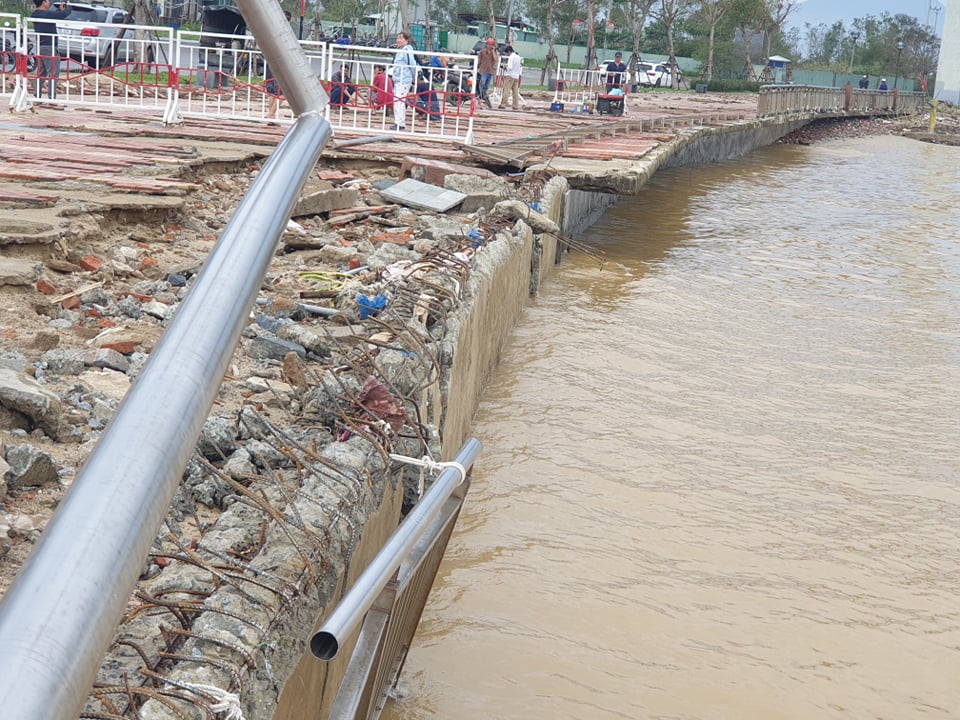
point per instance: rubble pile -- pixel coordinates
(342, 363)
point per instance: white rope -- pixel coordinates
(433, 466)
(225, 703)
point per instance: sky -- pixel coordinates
(829, 11)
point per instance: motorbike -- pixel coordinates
(8, 56)
(459, 85)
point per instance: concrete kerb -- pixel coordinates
(697, 144)
(253, 635)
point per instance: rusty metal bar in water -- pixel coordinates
(58, 619)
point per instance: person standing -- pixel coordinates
(48, 50)
(882, 87)
(488, 62)
(865, 82)
(511, 78)
(616, 72)
(404, 70)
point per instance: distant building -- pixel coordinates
(948, 71)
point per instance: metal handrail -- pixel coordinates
(349, 613)
(59, 617)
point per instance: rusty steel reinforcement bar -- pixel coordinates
(349, 613)
(58, 619)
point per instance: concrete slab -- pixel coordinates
(422, 196)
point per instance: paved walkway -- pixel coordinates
(55, 150)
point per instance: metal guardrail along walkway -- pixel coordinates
(388, 598)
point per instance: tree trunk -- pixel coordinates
(493, 19)
(404, 15)
(591, 61)
(710, 45)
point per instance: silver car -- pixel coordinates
(98, 36)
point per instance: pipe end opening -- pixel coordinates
(324, 645)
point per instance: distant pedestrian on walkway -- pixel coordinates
(865, 82)
(488, 62)
(616, 72)
(404, 70)
(272, 88)
(511, 78)
(882, 87)
(48, 49)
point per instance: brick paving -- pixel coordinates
(132, 151)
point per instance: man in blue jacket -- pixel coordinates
(48, 52)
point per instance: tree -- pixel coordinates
(778, 11)
(633, 14)
(712, 12)
(750, 17)
(669, 13)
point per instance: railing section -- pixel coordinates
(387, 600)
(787, 99)
(185, 73)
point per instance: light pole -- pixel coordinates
(854, 35)
(899, 52)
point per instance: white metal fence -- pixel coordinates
(188, 73)
(580, 90)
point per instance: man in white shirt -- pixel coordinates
(511, 78)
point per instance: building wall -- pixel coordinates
(948, 72)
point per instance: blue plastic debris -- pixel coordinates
(475, 237)
(371, 305)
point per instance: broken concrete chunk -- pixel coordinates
(416, 194)
(22, 394)
(30, 467)
(322, 197)
(521, 211)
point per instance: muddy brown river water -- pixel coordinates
(721, 477)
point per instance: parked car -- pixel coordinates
(653, 74)
(96, 35)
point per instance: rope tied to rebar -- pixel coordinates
(223, 703)
(435, 467)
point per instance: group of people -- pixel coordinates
(865, 84)
(409, 79)
(488, 64)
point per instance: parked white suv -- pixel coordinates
(653, 75)
(91, 34)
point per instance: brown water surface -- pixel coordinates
(720, 476)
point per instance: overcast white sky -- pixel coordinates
(829, 11)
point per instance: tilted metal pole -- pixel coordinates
(349, 613)
(58, 619)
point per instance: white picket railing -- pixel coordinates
(188, 73)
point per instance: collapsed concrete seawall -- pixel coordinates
(230, 613)
(695, 145)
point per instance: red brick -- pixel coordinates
(70, 303)
(46, 287)
(90, 262)
(124, 347)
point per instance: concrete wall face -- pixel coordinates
(948, 71)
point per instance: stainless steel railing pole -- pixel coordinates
(59, 617)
